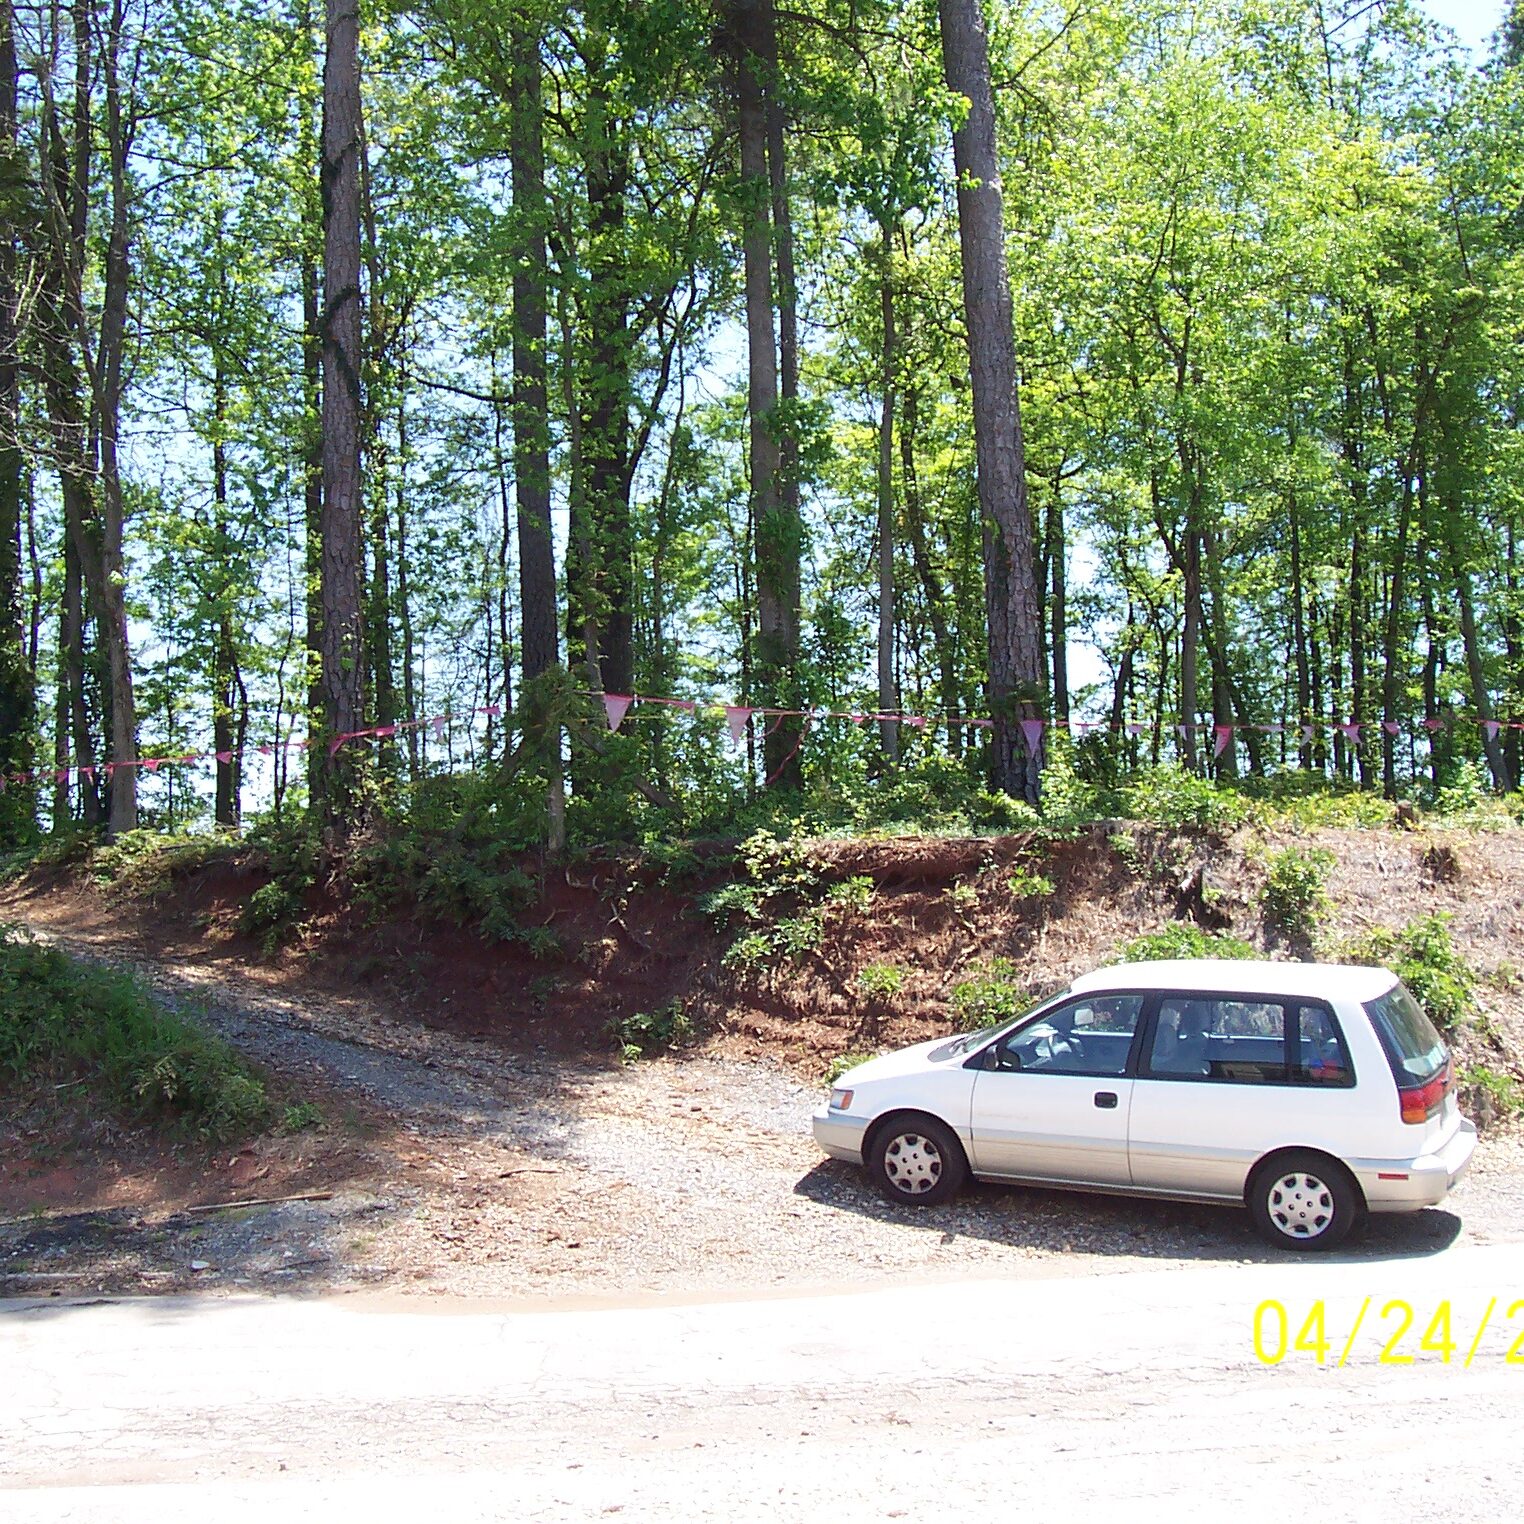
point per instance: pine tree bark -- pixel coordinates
(1012, 603)
(539, 652)
(341, 562)
(18, 706)
(889, 731)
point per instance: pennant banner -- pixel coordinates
(616, 706)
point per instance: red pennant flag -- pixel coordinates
(225, 757)
(1222, 734)
(918, 720)
(1391, 727)
(151, 763)
(737, 718)
(616, 706)
(492, 711)
(1348, 728)
(1431, 724)
(1137, 728)
(1492, 727)
(1031, 733)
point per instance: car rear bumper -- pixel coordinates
(840, 1135)
(1407, 1185)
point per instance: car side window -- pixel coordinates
(1321, 1057)
(1247, 1042)
(1241, 1042)
(1091, 1036)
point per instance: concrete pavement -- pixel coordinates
(982, 1398)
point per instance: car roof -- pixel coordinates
(1323, 981)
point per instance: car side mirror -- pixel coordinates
(1001, 1058)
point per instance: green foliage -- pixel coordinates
(1424, 956)
(991, 994)
(1176, 799)
(853, 894)
(1503, 1091)
(60, 1020)
(842, 1063)
(272, 913)
(303, 1116)
(1027, 884)
(881, 981)
(644, 1033)
(1182, 939)
(1295, 895)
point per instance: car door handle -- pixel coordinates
(1106, 1100)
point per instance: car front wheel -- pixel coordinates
(1304, 1201)
(917, 1159)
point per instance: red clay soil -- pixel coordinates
(940, 908)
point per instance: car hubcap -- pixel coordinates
(913, 1164)
(1301, 1205)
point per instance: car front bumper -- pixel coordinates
(1408, 1185)
(840, 1134)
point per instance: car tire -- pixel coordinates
(917, 1159)
(1304, 1201)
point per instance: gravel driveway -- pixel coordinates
(501, 1175)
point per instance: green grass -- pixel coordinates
(61, 1021)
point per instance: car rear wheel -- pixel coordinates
(917, 1159)
(1304, 1201)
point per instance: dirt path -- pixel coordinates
(456, 1167)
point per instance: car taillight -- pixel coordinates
(1420, 1102)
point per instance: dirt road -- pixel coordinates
(1070, 1396)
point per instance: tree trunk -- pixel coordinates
(531, 405)
(786, 551)
(602, 600)
(772, 542)
(18, 705)
(342, 650)
(889, 731)
(308, 151)
(1012, 603)
(1056, 541)
(931, 586)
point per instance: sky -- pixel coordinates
(1474, 21)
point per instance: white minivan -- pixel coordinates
(1311, 1093)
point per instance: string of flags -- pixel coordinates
(617, 707)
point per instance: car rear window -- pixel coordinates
(1416, 1050)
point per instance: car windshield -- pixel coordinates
(970, 1040)
(1416, 1050)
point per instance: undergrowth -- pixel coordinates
(62, 1021)
(1182, 939)
(1424, 956)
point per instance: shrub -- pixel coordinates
(60, 1019)
(272, 913)
(854, 894)
(1182, 939)
(1295, 896)
(1501, 1090)
(643, 1033)
(1176, 799)
(1025, 884)
(990, 995)
(1424, 957)
(842, 1062)
(881, 981)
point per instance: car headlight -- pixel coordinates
(841, 1100)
